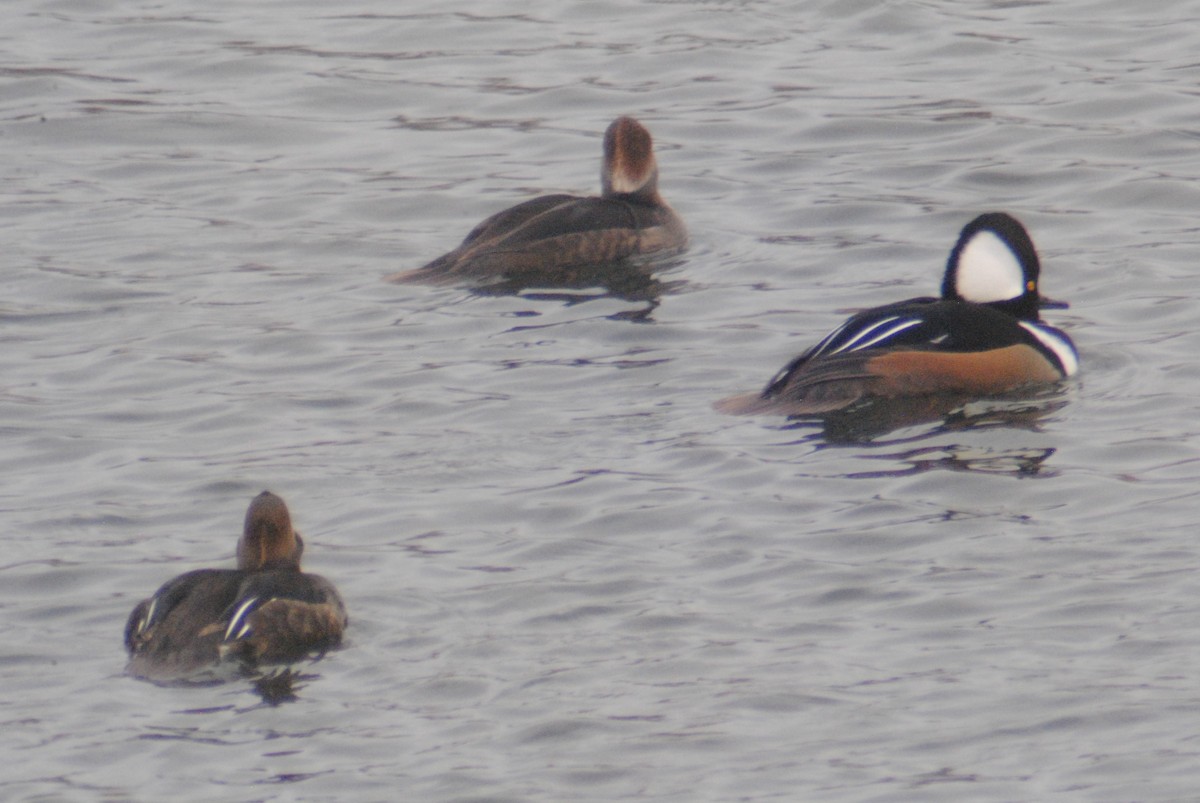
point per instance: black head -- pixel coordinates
(994, 263)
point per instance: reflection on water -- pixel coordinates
(864, 426)
(875, 418)
(626, 281)
(1013, 462)
(279, 687)
(273, 685)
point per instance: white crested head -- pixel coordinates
(988, 270)
(994, 263)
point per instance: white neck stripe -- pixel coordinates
(1057, 343)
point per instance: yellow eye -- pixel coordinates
(1030, 285)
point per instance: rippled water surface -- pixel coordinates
(569, 578)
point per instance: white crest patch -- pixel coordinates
(988, 270)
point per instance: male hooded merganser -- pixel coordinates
(266, 611)
(984, 336)
(556, 232)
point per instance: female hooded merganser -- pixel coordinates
(984, 336)
(541, 237)
(266, 611)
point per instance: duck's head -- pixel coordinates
(994, 263)
(629, 166)
(268, 539)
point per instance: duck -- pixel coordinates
(984, 336)
(266, 611)
(542, 238)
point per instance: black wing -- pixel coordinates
(927, 324)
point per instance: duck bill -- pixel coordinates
(1050, 303)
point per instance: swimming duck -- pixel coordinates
(540, 237)
(266, 611)
(984, 336)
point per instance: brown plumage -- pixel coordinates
(266, 611)
(545, 238)
(836, 383)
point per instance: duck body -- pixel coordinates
(266, 611)
(983, 337)
(543, 238)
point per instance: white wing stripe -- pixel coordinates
(849, 344)
(235, 620)
(871, 335)
(820, 347)
(148, 617)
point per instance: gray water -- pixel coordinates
(568, 577)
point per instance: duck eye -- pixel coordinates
(1030, 285)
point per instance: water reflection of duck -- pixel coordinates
(556, 235)
(984, 336)
(870, 420)
(266, 611)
